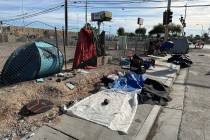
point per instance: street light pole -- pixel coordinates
(166, 26)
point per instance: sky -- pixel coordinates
(125, 13)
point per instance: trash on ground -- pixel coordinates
(113, 76)
(82, 71)
(60, 75)
(40, 80)
(39, 106)
(58, 80)
(181, 60)
(124, 61)
(70, 86)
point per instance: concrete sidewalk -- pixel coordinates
(75, 128)
(168, 123)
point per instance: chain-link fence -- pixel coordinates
(134, 45)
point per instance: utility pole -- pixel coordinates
(66, 22)
(86, 14)
(185, 13)
(166, 26)
(185, 16)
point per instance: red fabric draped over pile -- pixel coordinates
(85, 54)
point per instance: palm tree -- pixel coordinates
(157, 29)
(121, 31)
(141, 31)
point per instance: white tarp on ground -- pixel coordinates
(117, 115)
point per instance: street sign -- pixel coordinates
(101, 16)
(140, 21)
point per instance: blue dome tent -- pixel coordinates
(32, 61)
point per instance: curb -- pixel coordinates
(148, 124)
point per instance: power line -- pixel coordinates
(140, 7)
(19, 17)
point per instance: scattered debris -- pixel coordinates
(181, 60)
(39, 106)
(51, 91)
(40, 80)
(60, 75)
(58, 80)
(105, 102)
(70, 86)
(81, 71)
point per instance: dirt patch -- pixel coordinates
(14, 97)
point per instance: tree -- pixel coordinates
(121, 31)
(157, 29)
(190, 38)
(131, 34)
(197, 37)
(141, 31)
(205, 36)
(175, 29)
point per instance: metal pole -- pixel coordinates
(185, 13)
(86, 14)
(64, 48)
(202, 30)
(66, 22)
(56, 42)
(166, 27)
(99, 27)
(185, 16)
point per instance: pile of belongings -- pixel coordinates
(149, 91)
(90, 45)
(85, 54)
(154, 92)
(137, 64)
(181, 60)
(115, 104)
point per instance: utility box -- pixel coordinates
(101, 16)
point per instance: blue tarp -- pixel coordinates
(129, 82)
(167, 46)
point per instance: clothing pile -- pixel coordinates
(137, 64)
(154, 92)
(181, 60)
(149, 91)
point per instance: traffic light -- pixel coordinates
(164, 18)
(169, 16)
(182, 20)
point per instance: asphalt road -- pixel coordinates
(195, 124)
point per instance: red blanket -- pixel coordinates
(85, 54)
